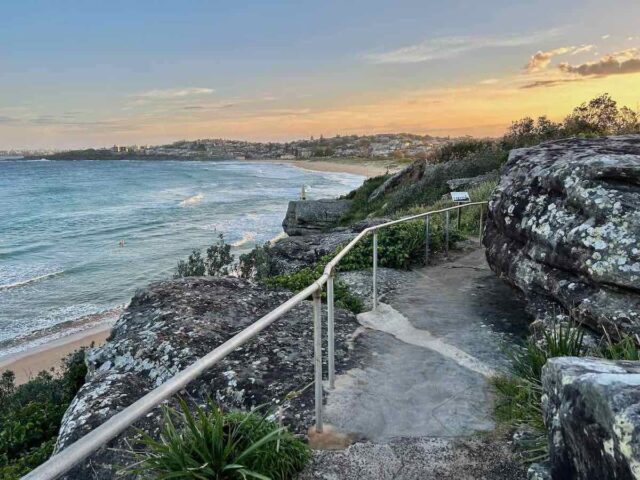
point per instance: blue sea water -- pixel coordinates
(61, 223)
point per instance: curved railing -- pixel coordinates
(63, 461)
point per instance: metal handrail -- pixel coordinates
(63, 461)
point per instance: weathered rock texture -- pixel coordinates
(170, 325)
(564, 225)
(305, 217)
(289, 254)
(592, 409)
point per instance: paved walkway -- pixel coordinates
(430, 349)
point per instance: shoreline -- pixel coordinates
(50, 355)
(365, 168)
(45, 350)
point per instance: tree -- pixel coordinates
(597, 117)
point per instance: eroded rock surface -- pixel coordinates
(564, 225)
(305, 217)
(169, 326)
(592, 410)
(290, 254)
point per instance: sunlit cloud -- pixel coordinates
(623, 62)
(447, 47)
(541, 60)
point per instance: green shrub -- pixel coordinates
(217, 262)
(304, 277)
(256, 263)
(361, 206)
(210, 444)
(30, 415)
(399, 246)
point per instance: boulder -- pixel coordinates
(169, 326)
(592, 411)
(305, 217)
(564, 227)
(290, 254)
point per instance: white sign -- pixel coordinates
(461, 197)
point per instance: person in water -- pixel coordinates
(122, 243)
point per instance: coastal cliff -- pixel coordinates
(564, 228)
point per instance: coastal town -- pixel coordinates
(397, 145)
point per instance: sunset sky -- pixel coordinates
(95, 73)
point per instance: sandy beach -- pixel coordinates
(28, 363)
(356, 166)
(50, 348)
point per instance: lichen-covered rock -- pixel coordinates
(564, 225)
(305, 217)
(169, 326)
(592, 410)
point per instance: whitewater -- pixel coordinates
(77, 238)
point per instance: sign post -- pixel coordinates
(459, 198)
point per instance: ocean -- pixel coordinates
(62, 222)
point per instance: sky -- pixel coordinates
(93, 73)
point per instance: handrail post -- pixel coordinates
(459, 210)
(375, 270)
(446, 234)
(317, 355)
(426, 240)
(330, 333)
(480, 226)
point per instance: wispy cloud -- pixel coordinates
(541, 60)
(175, 93)
(625, 61)
(448, 47)
(549, 83)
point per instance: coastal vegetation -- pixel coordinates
(207, 443)
(31, 413)
(519, 392)
(234, 445)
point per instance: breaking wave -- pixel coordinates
(22, 283)
(192, 200)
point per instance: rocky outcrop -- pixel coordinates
(409, 174)
(169, 326)
(306, 217)
(290, 254)
(592, 410)
(471, 182)
(564, 227)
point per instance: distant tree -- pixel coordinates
(599, 116)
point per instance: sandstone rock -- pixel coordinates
(170, 325)
(564, 225)
(592, 410)
(290, 254)
(305, 217)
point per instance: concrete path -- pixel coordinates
(432, 348)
